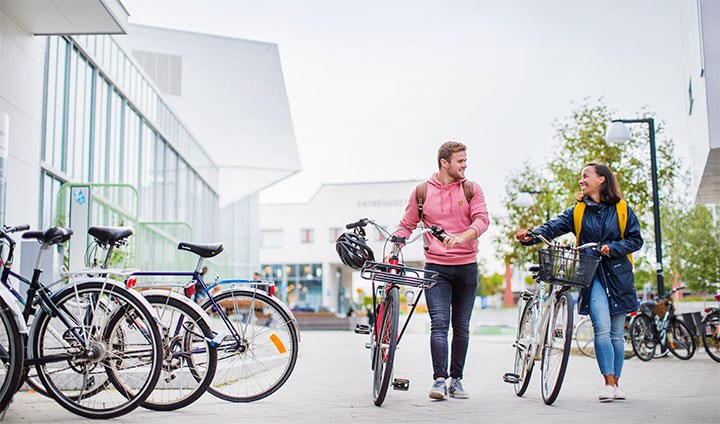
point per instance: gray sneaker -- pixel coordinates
(438, 390)
(456, 390)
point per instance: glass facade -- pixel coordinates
(298, 285)
(105, 123)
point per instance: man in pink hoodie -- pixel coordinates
(454, 259)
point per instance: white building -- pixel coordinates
(701, 42)
(298, 241)
(168, 116)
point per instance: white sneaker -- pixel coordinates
(608, 394)
(619, 394)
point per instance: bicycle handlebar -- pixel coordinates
(361, 223)
(548, 242)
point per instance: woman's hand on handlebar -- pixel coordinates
(605, 250)
(523, 235)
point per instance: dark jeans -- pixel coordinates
(451, 300)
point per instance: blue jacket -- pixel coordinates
(600, 225)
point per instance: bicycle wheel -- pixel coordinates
(385, 344)
(260, 360)
(556, 349)
(85, 342)
(629, 352)
(12, 355)
(189, 360)
(681, 342)
(524, 360)
(585, 338)
(643, 336)
(711, 334)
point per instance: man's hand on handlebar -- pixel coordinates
(605, 250)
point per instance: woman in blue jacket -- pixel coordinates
(612, 294)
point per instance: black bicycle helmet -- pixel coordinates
(353, 250)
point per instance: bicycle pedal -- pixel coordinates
(362, 329)
(401, 384)
(511, 378)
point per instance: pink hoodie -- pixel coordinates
(446, 207)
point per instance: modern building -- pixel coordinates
(298, 241)
(701, 48)
(162, 126)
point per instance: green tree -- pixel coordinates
(691, 241)
(581, 139)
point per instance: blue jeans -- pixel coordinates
(609, 332)
(451, 300)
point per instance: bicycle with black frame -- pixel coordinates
(662, 328)
(387, 279)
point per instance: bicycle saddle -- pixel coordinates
(53, 235)
(110, 235)
(204, 250)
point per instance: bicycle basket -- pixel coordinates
(567, 267)
(661, 308)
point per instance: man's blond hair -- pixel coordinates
(447, 149)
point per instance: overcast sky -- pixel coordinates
(375, 86)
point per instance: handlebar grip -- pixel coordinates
(17, 228)
(363, 222)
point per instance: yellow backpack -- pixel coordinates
(622, 213)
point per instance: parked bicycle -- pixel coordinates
(78, 337)
(387, 278)
(584, 335)
(256, 335)
(648, 332)
(545, 321)
(711, 331)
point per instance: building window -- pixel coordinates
(271, 239)
(334, 234)
(307, 236)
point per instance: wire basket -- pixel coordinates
(567, 267)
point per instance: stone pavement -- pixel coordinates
(332, 383)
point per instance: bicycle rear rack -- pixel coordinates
(404, 275)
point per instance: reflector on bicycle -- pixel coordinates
(278, 343)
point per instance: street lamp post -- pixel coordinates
(617, 132)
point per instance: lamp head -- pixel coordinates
(617, 132)
(524, 200)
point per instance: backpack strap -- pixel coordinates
(622, 213)
(469, 188)
(421, 194)
(577, 219)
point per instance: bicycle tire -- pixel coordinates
(258, 364)
(681, 342)
(12, 355)
(123, 343)
(585, 338)
(629, 352)
(189, 359)
(711, 334)
(524, 363)
(556, 349)
(643, 336)
(385, 345)
(30, 377)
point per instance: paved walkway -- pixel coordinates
(332, 383)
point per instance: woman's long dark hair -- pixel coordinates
(610, 190)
